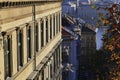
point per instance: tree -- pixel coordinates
(99, 64)
(111, 40)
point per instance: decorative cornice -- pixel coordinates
(7, 4)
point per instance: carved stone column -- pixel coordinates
(60, 21)
(1, 58)
(39, 34)
(32, 39)
(52, 25)
(55, 22)
(14, 52)
(48, 28)
(44, 19)
(25, 45)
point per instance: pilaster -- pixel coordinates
(52, 25)
(60, 20)
(60, 53)
(2, 70)
(14, 52)
(52, 63)
(55, 23)
(48, 28)
(40, 76)
(59, 56)
(45, 73)
(24, 45)
(39, 34)
(48, 68)
(44, 30)
(32, 39)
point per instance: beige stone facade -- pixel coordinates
(30, 45)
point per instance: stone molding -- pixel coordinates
(8, 4)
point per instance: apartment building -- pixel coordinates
(88, 42)
(71, 47)
(88, 45)
(30, 40)
(69, 54)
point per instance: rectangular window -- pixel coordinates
(59, 56)
(8, 56)
(28, 43)
(50, 27)
(42, 75)
(42, 34)
(20, 48)
(46, 30)
(59, 22)
(64, 57)
(54, 61)
(51, 73)
(36, 37)
(54, 25)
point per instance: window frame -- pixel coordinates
(20, 49)
(29, 38)
(8, 53)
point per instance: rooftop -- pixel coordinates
(86, 29)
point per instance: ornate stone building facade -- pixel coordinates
(30, 40)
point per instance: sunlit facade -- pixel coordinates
(30, 40)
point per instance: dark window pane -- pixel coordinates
(29, 42)
(8, 56)
(20, 49)
(46, 31)
(36, 37)
(42, 75)
(50, 27)
(42, 34)
(54, 25)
